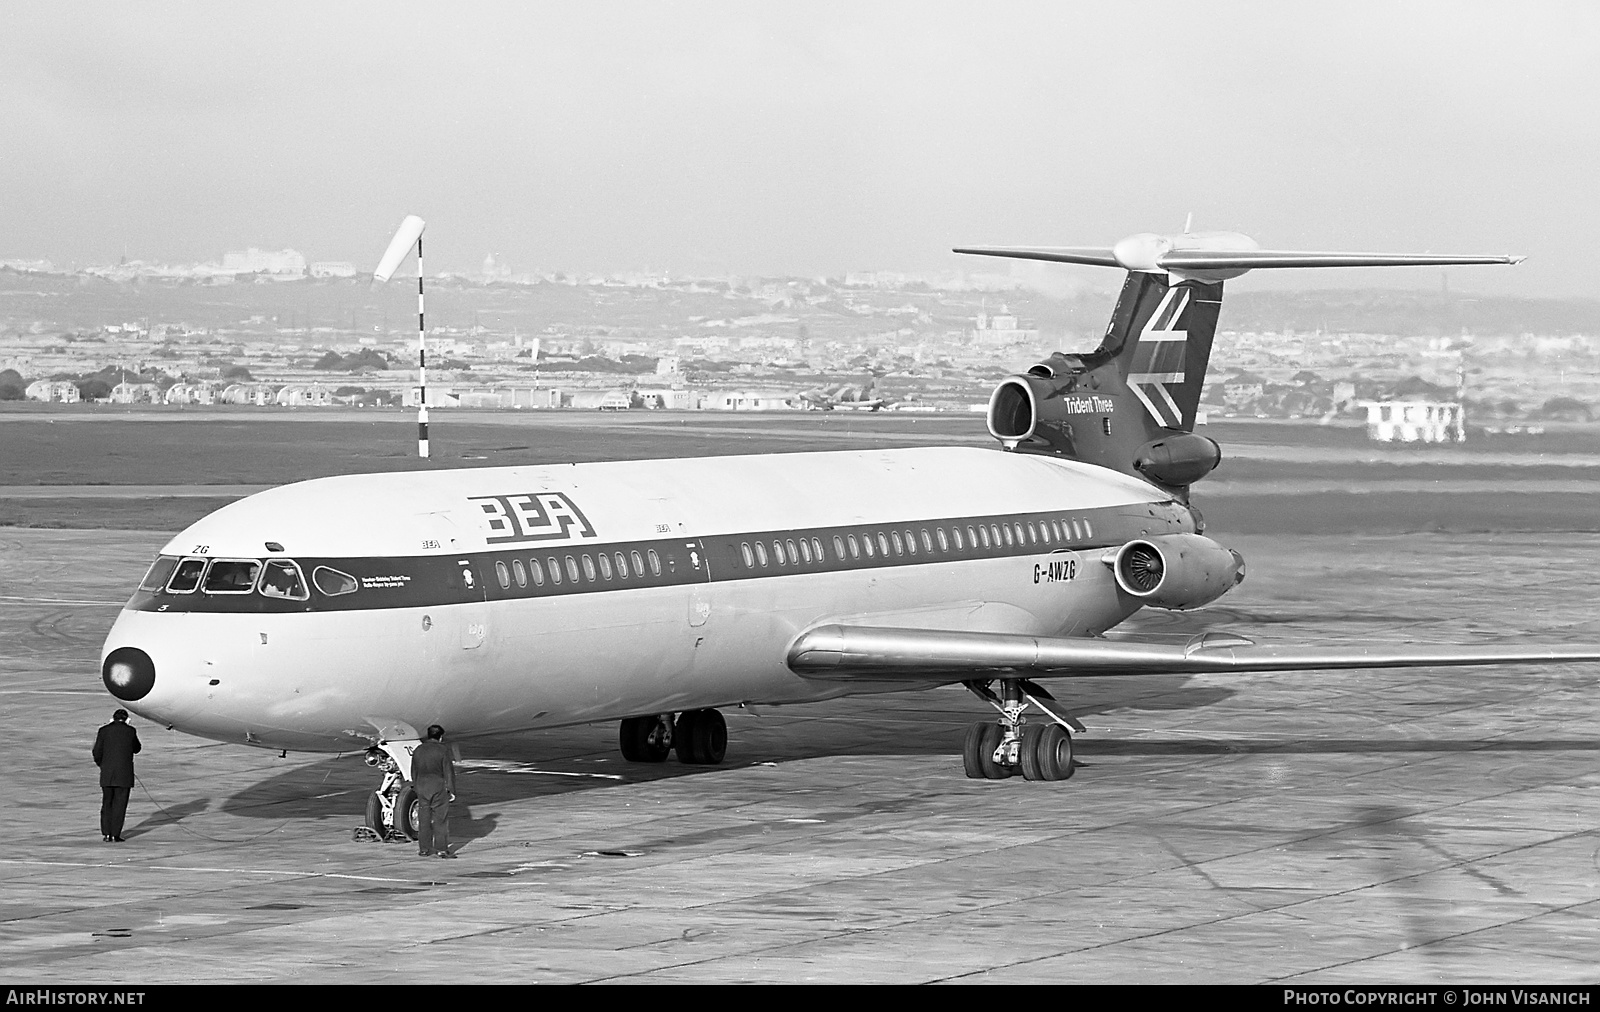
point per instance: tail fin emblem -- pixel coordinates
(1159, 358)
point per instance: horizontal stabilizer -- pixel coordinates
(1216, 256)
(1191, 259)
(1096, 256)
(869, 653)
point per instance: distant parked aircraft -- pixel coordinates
(845, 395)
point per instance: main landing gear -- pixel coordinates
(392, 809)
(995, 750)
(700, 737)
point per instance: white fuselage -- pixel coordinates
(432, 597)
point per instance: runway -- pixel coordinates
(1429, 825)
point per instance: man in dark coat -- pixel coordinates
(114, 748)
(434, 778)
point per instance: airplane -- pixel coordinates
(345, 613)
(845, 395)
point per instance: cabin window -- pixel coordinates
(519, 572)
(655, 563)
(883, 544)
(838, 547)
(588, 567)
(972, 537)
(622, 566)
(956, 533)
(1033, 533)
(555, 570)
(996, 532)
(186, 578)
(1073, 524)
(749, 556)
(927, 540)
(332, 582)
(1022, 537)
(1005, 532)
(944, 542)
(794, 556)
(232, 576)
(866, 545)
(777, 552)
(899, 546)
(572, 568)
(502, 574)
(1044, 531)
(1055, 527)
(638, 564)
(605, 565)
(816, 550)
(983, 532)
(160, 571)
(538, 572)
(1088, 532)
(805, 550)
(281, 578)
(855, 549)
(761, 554)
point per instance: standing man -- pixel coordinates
(114, 748)
(434, 778)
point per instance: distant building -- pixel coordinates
(1415, 421)
(135, 393)
(191, 393)
(1001, 329)
(451, 396)
(1242, 390)
(302, 395)
(600, 400)
(333, 269)
(673, 399)
(53, 391)
(259, 261)
(259, 394)
(749, 400)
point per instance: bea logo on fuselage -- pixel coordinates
(536, 516)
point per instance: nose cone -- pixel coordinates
(128, 673)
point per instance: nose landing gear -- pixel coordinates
(392, 809)
(997, 750)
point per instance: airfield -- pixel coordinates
(1431, 825)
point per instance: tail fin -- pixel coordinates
(1130, 404)
(1142, 385)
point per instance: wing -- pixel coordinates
(880, 654)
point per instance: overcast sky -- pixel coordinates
(802, 138)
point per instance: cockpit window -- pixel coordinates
(281, 578)
(232, 576)
(186, 578)
(332, 582)
(159, 573)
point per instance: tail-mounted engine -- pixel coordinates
(1058, 407)
(1175, 571)
(1129, 405)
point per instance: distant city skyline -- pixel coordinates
(804, 140)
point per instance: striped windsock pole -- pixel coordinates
(410, 231)
(422, 363)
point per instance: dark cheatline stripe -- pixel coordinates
(592, 566)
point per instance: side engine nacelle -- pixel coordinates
(1175, 571)
(1178, 460)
